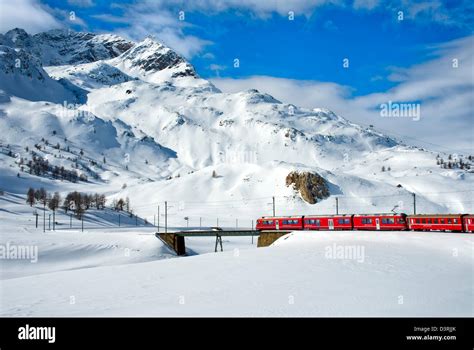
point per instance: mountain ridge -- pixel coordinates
(154, 124)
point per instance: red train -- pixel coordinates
(373, 222)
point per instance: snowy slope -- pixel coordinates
(21, 75)
(164, 130)
(295, 277)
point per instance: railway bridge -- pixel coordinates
(176, 240)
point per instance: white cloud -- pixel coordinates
(152, 18)
(81, 3)
(446, 95)
(445, 12)
(27, 14)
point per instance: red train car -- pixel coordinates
(468, 223)
(280, 223)
(436, 222)
(328, 222)
(384, 222)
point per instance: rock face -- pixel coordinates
(311, 186)
(63, 47)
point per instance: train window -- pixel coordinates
(417, 221)
(423, 221)
(366, 221)
(441, 221)
(340, 221)
(455, 221)
(347, 221)
(449, 221)
(435, 221)
(401, 221)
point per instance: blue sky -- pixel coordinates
(310, 47)
(301, 60)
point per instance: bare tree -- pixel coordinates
(30, 197)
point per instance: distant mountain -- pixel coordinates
(138, 114)
(22, 75)
(60, 47)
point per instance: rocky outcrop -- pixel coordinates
(311, 186)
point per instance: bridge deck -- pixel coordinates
(176, 239)
(213, 233)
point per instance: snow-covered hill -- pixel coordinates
(393, 274)
(100, 114)
(138, 121)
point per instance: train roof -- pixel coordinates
(282, 217)
(327, 216)
(381, 214)
(436, 215)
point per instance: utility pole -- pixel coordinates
(82, 222)
(166, 216)
(158, 219)
(49, 222)
(273, 199)
(252, 230)
(414, 203)
(337, 205)
(54, 220)
(70, 220)
(36, 215)
(44, 216)
(119, 219)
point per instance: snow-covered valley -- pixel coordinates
(100, 114)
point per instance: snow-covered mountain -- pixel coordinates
(60, 47)
(138, 120)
